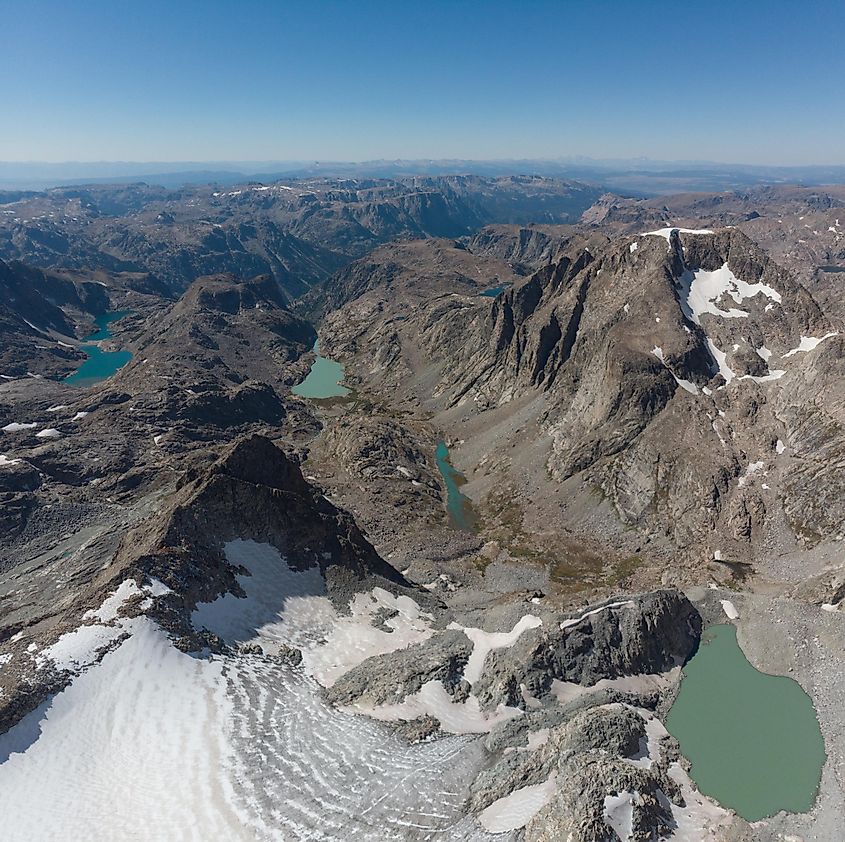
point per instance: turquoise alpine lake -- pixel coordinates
(100, 364)
(494, 291)
(753, 739)
(459, 506)
(323, 380)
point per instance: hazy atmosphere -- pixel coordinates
(747, 82)
(422, 421)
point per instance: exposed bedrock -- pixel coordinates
(647, 634)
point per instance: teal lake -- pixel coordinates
(323, 380)
(753, 739)
(494, 291)
(459, 506)
(100, 364)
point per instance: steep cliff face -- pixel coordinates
(38, 311)
(672, 370)
(524, 248)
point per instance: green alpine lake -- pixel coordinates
(323, 380)
(459, 506)
(100, 364)
(753, 739)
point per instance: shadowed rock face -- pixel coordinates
(255, 490)
(36, 309)
(650, 634)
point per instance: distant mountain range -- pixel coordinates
(635, 176)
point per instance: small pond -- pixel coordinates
(323, 380)
(753, 739)
(100, 364)
(494, 291)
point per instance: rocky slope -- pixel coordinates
(799, 227)
(180, 569)
(44, 315)
(299, 231)
(671, 372)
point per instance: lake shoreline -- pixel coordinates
(779, 634)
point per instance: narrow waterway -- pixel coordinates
(461, 513)
(753, 739)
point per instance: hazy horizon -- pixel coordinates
(337, 82)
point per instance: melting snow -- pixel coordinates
(753, 468)
(809, 343)
(15, 427)
(619, 813)
(288, 606)
(633, 247)
(573, 621)
(702, 290)
(688, 385)
(666, 233)
(721, 359)
(730, 609)
(229, 740)
(48, 433)
(5, 461)
(517, 809)
(432, 699)
(484, 642)
(780, 446)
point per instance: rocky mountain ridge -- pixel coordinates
(299, 231)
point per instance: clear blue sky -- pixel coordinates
(191, 80)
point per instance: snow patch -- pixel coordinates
(721, 359)
(666, 233)
(48, 433)
(809, 343)
(730, 609)
(432, 699)
(702, 291)
(619, 813)
(285, 606)
(517, 809)
(687, 385)
(573, 621)
(485, 642)
(16, 427)
(750, 471)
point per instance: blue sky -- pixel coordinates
(755, 82)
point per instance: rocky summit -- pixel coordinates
(551, 437)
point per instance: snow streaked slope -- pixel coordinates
(152, 743)
(285, 606)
